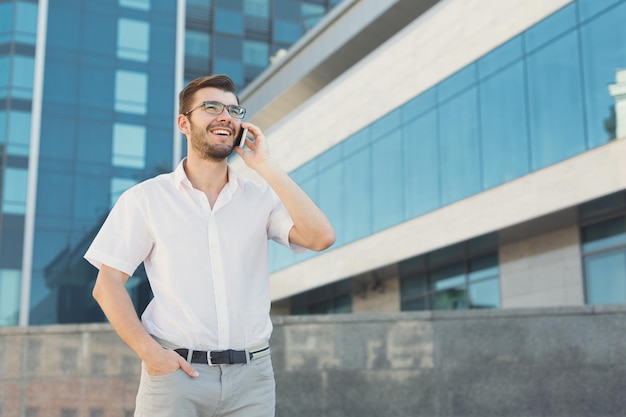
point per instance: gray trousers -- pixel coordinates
(246, 390)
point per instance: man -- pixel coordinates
(202, 233)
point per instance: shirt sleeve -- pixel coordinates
(279, 225)
(124, 240)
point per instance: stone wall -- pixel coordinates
(531, 362)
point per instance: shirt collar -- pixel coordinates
(181, 180)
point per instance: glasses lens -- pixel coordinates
(213, 107)
(237, 111)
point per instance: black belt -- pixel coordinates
(221, 357)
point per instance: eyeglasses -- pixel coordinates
(215, 107)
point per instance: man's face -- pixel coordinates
(212, 136)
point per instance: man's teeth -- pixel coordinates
(221, 132)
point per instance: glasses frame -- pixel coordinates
(233, 110)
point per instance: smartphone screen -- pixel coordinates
(241, 138)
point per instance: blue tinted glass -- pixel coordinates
(256, 53)
(93, 146)
(23, 77)
(604, 235)
(329, 158)
(136, 4)
(605, 276)
(5, 63)
(357, 189)
(131, 92)
(420, 104)
(64, 35)
(484, 294)
(256, 8)
(551, 27)
(228, 47)
(6, 22)
(505, 141)
(330, 197)
(355, 142)
(18, 133)
(64, 88)
(197, 44)
(14, 191)
(421, 165)
(456, 83)
(603, 56)
(500, 57)
(233, 68)
(129, 146)
(55, 192)
(287, 9)
(387, 181)
(305, 172)
(555, 102)
(382, 126)
(10, 287)
(460, 153)
(133, 39)
(25, 23)
(287, 31)
(589, 8)
(93, 192)
(228, 21)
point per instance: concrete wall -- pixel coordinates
(544, 362)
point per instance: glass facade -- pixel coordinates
(18, 34)
(603, 244)
(239, 37)
(463, 276)
(107, 122)
(536, 100)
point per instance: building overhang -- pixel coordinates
(351, 31)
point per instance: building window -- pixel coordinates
(14, 191)
(463, 276)
(16, 76)
(329, 299)
(129, 146)
(10, 282)
(256, 53)
(133, 39)
(604, 260)
(257, 8)
(131, 92)
(136, 4)
(197, 44)
(15, 132)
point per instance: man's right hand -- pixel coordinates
(168, 362)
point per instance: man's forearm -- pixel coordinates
(312, 228)
(111, 294)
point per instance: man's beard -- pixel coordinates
(201, 143)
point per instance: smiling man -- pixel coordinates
(202, 233)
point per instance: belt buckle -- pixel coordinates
(208, 358)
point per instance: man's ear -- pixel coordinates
(183, 124)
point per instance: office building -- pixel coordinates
(88, 96)
(471, 154)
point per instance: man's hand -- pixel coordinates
(167, 362)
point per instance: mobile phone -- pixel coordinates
(241, 138)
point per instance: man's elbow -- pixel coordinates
(325, 240)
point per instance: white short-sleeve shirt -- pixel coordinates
(208, 267)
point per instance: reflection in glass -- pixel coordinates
(131, 89)
(129, 145)
(605, 276)
(14, 191)
(133, 39)
(10, 283)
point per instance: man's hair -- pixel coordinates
(219, 81)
